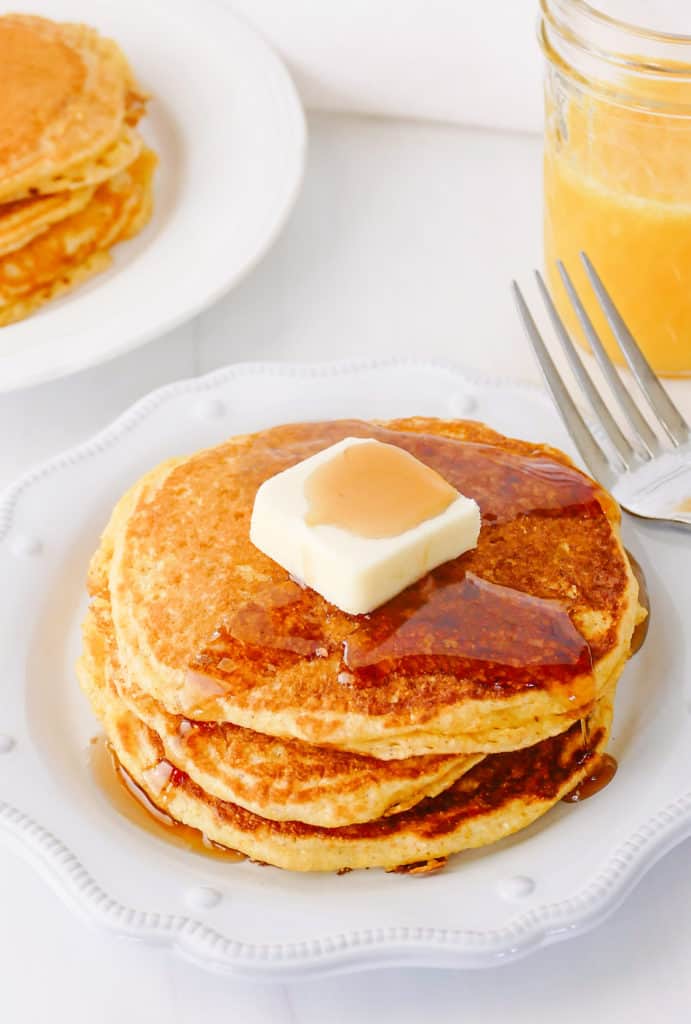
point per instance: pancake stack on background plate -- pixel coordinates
(246, 706)
(75, 174)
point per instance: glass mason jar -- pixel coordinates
(617, 169)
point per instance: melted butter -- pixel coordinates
(199, 691)
(684, 506)
(375, 490)
(132, 803)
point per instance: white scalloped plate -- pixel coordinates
(229, 130)
(561, 876)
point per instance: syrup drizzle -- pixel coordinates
(130, 801)
(474, 619)
(600, 775)
(641, 630)
(451, 618)
(605, 766)
(468, 610)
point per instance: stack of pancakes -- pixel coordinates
(75, 175)
(245, 705)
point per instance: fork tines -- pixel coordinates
(642, 443)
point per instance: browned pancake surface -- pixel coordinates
(523, 614)
(64, 97)
(278, 779)
(502, 794)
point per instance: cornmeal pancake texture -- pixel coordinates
(24, 219)
(75, 247)
(64, 102)
(280, 779)
(122, 152)
(505, 646)
(501, 794)
(75, 174)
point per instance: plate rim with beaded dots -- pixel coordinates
(558, 878)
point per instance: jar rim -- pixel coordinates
(631, 65)
(597, 16)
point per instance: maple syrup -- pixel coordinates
(474, 624)
(375, 490)
(132, 803)
(600, 775)
(605, 767)
(641, 630)
(420, 868)
(472, 618)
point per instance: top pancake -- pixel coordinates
(65, 101)
(494, 650)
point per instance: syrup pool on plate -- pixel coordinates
(132, 803)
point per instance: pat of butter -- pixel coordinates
(356, 562)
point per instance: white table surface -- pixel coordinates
(402, 243)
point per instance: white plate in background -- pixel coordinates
(229, 130)
(559, 877)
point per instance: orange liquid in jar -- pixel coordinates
(618, 186)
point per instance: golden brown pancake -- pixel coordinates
(25, 219)
(74, 175)
(278, 779)
(65, 100)
(18, 310)
(141, 212)
(76, 246)
(495, 650)
(503, 793)
(115, 157)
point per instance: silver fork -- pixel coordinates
(648, 478)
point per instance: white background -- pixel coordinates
(467, 61)
(402, 243)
